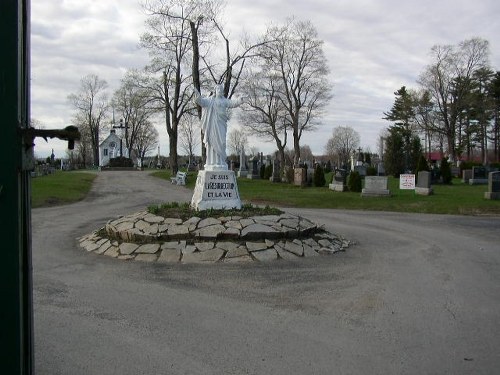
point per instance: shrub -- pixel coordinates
(268, 172)
(422, 164)
(371, 171)
(446, 176)
(319, 176)
(121, 161)
(354, 181)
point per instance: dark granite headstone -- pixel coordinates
(493, 186)
(424, 183)
(479, 176)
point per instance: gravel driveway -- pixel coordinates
(416, 294)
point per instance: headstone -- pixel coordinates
(455, 171)
(376, 186)
(275, 177)
(424, 183)
(216, 190)
(361, 169)
(493, 186)
(339, 181)
(466, 175)
(254, 173)
(479, 176)
(299, 176)
(242, 172)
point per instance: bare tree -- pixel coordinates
(189, 135)
(91, 104)
(168, 42)
(131, 101)
(342, 144)
(146, 140)
(295, 54)
(236, 141)
(264, 114)
(448, 79)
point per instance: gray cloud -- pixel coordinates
(372, 47)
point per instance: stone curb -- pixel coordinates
(146, 237)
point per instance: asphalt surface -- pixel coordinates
(416, 294)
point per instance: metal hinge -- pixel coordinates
(69, 133)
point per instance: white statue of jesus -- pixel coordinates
(214, 124)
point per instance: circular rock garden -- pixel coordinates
(148, 237)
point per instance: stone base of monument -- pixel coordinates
(216, 189)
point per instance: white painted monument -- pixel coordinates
(216, 186)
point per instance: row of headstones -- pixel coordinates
(477, 175)
(377, 186)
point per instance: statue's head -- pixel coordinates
(219, 90)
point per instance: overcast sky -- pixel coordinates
(373, 47)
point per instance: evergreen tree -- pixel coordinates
(319, 176)
(445, 171)
(394, 153)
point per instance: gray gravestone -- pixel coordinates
(361, 169)
(479, 176)
(375, 186)
(339, 181)
(275, 177)
(466, 175)
(423, 183)
(493, 186)
(255, 169)
(243, 172)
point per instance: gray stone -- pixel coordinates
(173, 221)
(309, 251)
(212, 231)
(191, 221)
(178, 231)
(170, 245)
(265, 255)
(152, 229)
(283, 254)
(233, 224)
(124, 226)
(294, 248)
(204, 246)
(152, 219)
(226, 245)
(241, 259)
(208, 222)
(375, 186)
(290, 223)
(256, 246)
(141, 225)
(232, 233)
(246, 222)
(188, 249)
(127, 248)
(148, 249)
(310, 242)
(325, 243)
(112, 252)
(125, 257)
(237, 252)
(169, 256)
(105, 246)
(269, 243)
(212, 255)
(163, 228)
(257, 231)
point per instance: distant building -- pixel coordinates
(109, 148)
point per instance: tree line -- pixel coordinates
(282, 75)
(455, 109)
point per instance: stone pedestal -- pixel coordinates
(216, 190)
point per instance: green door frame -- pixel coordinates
(16, 313)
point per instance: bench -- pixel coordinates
(179, 179)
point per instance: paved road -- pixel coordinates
(417, 294)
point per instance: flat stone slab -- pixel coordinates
(151, 238)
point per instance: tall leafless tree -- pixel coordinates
(91, 104)
(295, 54)
(448, 79)
(342, 144)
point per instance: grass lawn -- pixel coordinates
(60, 188)
(457, 198)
